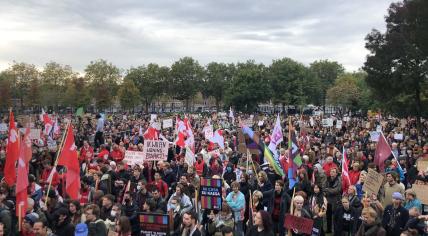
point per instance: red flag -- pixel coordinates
(151, 134)
(180, 141)
(346, 182)
(22, 179)
(383, 151)
(12, 152)
(69, 159)
(47, 121)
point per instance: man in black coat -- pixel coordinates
(395, 216)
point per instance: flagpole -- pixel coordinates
(56, 161)
(19, 217)
(292, 207)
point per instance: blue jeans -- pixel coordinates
(239, 228)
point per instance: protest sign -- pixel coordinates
(167, 123)
(153, 117)
(133, 157)
(300, 224)
(248, 122)
(34, 133)
(422, 164)
(260, 123)
(373, 182)
(210, 193)
(374, 136)
(242, 148)
(379, 128)
(421, 191)
(156, 125)
(3, 127)
(155, 150)
(327, 122)
(338, 124)
(398, 136)
(154, 224)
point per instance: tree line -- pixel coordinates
(241, 85)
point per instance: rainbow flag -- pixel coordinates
(154, 219)
(273, 161)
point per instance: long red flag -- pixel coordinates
(22, 179)
(12, 152)
(383, 151)
(69, 159)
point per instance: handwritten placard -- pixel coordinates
(422, 164)
(133, 157)
(373, 182)
(155, 150)
(167, 123)
(421, 191)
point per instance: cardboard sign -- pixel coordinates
(34, 133)
(327, 122)
(155, 150)
(338, 124)
(153, 224)
(421, 191)
(167, 123)
(374, 136)
(302, 225)
(346, 118)
(422, 164)
(242, 148)
(373, 182)
(210, 192)
(3, 127)
(403, 123)
(133, 157)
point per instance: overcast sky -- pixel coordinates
(132, 33)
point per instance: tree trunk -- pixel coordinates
(217, 104)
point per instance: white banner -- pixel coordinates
(398, 136)
(374, 136)
(155, 150)
(134, 157)
(167, 123)
(34, 133)
(153, 117)
(156, 125)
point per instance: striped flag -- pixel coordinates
(346, 182)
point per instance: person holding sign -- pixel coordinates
(371, 224)
(262, 225)
(299, 211)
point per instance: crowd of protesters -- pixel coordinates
(256, 198)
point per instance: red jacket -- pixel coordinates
(162, 187)
(102, 154)
(117, 155)
(354, 176)
(85, 152)
(45, 175)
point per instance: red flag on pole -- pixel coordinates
(22, 179)
(12, 152)
(383, 151)
(69, 159)
(346, 182)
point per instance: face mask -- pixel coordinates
(250, 172)
(113, 213)
(139, 187)
(229, 169)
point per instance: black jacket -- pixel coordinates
(65, 229)
(394, 220)
(341, 216)
(97, 228)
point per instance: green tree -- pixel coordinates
(291, 82)
(152, 82)
(76, 92)
(397, 66)
(326, 72)
(25, 83)
(53, 83)
(129, 95)
(186, 75)
(104, 78)
(249, 87)
(5, 90)
(217, 79)
(345, 92)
